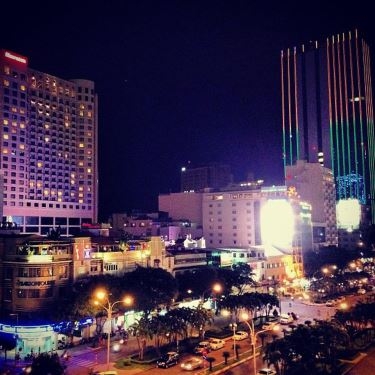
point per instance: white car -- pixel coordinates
(240, 335)
(216, 344)
(286, 319)
(203, 346)
(361, 291)
(268, 325)
(192, 363)
(266, 371)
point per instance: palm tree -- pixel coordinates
(210, 360)
(226, 355)
(143, 329)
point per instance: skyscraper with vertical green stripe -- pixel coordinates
(327, 112)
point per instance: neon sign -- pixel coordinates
(17, 58)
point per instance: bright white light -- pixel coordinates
(277, 223)
(348, 213)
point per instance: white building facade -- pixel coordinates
(315, 184)
(48, 148)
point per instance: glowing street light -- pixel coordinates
(216, 288)
(104, 302)
(234, 327)
(254, 335)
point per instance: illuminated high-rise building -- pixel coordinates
(48, 148)
(327, 112)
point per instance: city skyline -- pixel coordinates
(177, 83)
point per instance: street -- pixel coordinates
(83, 359)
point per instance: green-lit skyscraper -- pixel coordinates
(327, 112)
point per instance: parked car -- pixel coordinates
(192, 363)
(266, 371)
(201, 347)
(330, 303)
(268, 325)
(167, 360)
(285, 319)
(216, 344)
(241, 335)
(361, 291)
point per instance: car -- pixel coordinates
(330, 303)
(268, 325)
(240, 335)
(216, 344)
(203, 346)
(266, 371)
(192, 363)
(167, 360)
(361, 291)
(285, 319)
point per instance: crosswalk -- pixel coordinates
(81, 361)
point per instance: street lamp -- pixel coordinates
(216, 288)
(254, 335)
(234, 327)
(107, 305)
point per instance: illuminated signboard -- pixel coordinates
(348, 214)
(277, 223)
(14, 57)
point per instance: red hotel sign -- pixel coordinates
(18, 59)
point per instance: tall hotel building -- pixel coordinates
(327, 112)
(48, 148)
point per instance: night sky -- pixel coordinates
(178, 81)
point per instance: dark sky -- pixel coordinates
(177, 81)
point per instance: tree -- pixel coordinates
(242, 277)
(291, 354)
(252, 302)
(79, 302)
(196, 282)
(45, 364)
(143, 329)
(150, 287)
(226, 355)
(8, 341)
(210, 360)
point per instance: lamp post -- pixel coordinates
(107, 305)
(254, 335)
(234, 327)
(216, 288)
